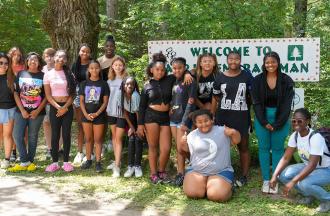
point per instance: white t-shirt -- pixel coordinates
(314, 146)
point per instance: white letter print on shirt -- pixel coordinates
(240, 100)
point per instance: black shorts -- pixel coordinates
(119, 122)
(154, 116)
(101, 119)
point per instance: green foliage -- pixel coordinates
(140, 21)
(20, 25)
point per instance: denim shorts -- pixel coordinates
(6, 115)
(173, 124)
(227, 175)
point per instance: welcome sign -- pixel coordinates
(300, 57)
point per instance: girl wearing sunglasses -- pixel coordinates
(310, 177)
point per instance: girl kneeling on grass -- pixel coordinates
(311, 176)
(94, 95)
(129, 101)
(210, 172)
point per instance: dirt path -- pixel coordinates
(21, 196)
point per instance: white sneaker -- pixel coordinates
(274, 191)
(138, 172)
(265, 187)
(78, 159)
(92, 158)
(111, 165)
(116, 172)
(129, 172)
(5, 164)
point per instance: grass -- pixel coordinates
(86, 185)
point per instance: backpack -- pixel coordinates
(325, 133)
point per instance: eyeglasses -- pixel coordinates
(3, 63)
(297, 121)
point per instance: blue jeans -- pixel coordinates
(33, 126)
(270, 141)
(312, 184)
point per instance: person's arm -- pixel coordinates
(142, 109)
(214, 104)
(312, 164)
(285, 160)
(18, 101)
(216, 94)
(19, 104)
(190, 105)
(35, 113)
(83, 108)
(234, 135)
(285, 106)
(103, 106)
(184, 143)
(199, 104)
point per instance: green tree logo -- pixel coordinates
(295, 52)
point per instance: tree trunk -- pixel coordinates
(71, 23)
(111, 14)
(300, 17)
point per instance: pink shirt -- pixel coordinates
(57, 81)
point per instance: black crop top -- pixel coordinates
(155, 92)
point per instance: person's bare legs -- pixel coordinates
(7, 133)
(118, 145)
(98, 131)
(164, 146)
(218, 189)
(88, 131)
(244, 154)
(153, 130)
(194, 185)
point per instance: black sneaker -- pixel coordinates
(241, 182)
(178, 181)
(98, 167)
(86, 165)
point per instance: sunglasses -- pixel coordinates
(3, 63)
(297, 121)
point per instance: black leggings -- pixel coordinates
(134, 145)
(56, 124)
(134, 151)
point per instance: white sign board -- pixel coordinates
(298, 100)
(300, 57)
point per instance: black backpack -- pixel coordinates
(325, 133)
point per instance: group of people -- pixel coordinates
(205, 111)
